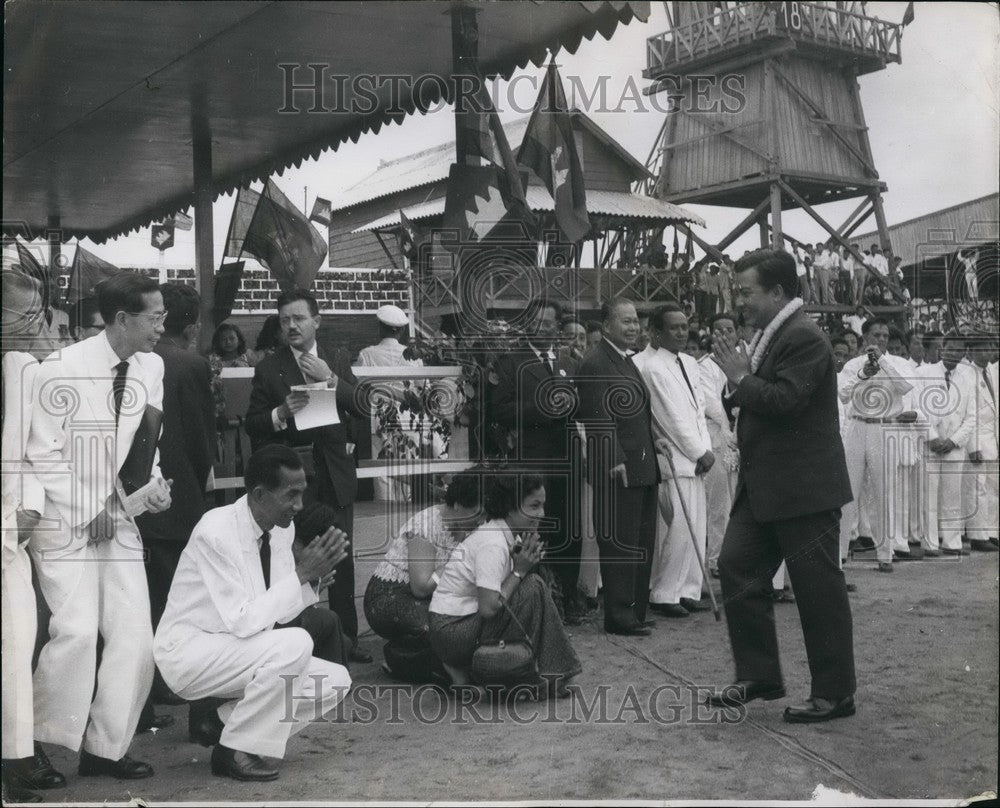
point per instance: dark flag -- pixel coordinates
(322, 211)
(180, 220)
(30, 265)
(410, 237)
(675, 259)
(161, 235)
(243, 211)
(908, 14)
(88, 270)
(227, 285)
(549, 149)
(283, 240)
(474, 205)
(22, 296)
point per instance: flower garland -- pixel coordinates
(762, 339)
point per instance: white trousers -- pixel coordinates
(982, 524)
(92, 588)
(18, 638)
(676, 571)
(275, 684)
(720, 485)
(864, 447)
(946, 515)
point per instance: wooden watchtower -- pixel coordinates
(765, 112)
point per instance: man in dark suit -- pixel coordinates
(187, 445)
(792, 483)
(534, 397)
(623, 469)
(271, 419)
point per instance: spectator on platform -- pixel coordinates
(399, 591)
(229, 348)
(488, 590)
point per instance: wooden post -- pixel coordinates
(777, 242)
(204, 257)
(464, 62)
(883, 228)
(765, 238)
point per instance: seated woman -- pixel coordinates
(489, 576)
(229, 348)
(400, 589)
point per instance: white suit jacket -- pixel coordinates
(984, 437)
(74, 448)
(678, 415)
(713, 384)
(19, 371)
(219, 584)
(950, 410)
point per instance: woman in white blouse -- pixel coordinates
(399, 590)
(489, 576)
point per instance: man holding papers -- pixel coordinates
(278, 400)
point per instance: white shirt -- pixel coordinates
(882, 395)
(280, 423)
(483, 560)
(950, 406)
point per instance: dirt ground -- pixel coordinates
(926, 644)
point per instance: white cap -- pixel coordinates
(392, 316)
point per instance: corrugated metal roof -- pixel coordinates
(599, 203)
(432, 165)
(943, 231)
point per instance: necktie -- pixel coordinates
(947, 378)
(118, 387)
(265, 558)
(686, 379)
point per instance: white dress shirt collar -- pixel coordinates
(298, 354)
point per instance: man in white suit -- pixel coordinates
(951, 409)
(982, 523)
(236, 579)
(95, 404)
(677, 404)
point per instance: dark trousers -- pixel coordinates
(625, 524)
(751, 553)
(341, 594)
(563, 543)
(323, 625)
(162, 558)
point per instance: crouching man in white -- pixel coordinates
(236, 579)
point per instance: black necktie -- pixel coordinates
(118, 387)
(947, 378)
(684, 373)
(265, 558)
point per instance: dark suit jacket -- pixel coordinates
(272, 382)
(613, 397)
(536, 402)
(187, 443)
(791, 454)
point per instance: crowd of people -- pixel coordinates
(642, 453)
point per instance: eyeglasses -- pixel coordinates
(157, 319)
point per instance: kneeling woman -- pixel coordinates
(491, 569)
(400, 589)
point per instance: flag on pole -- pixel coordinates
(87, 271)
(474, 205)
(239, 224)
(227, 285)
(549, 149)
(180, 220)
(283, 240)
(30, 265)
(161, 235)
(410, 237)
(322, 211)
(908, 14)
(22, 295)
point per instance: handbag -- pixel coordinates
(504, 662)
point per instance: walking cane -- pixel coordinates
(694, 541)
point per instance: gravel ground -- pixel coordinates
(926, 644)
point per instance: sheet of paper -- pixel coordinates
(321, 409)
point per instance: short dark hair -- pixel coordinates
(871, 322)
(269, 334)
(933, 334)
(264, 466)
(123, 292)
(506, 491)
(913, 332)
(82, 313)
(592, 326)
(840, 341)
(222, 329)
(182, 303)
(658, 320)
(609, 306)
(694, 336)
(464, 490)
(294, 295)
(725, 315)
(955, 336)
(774, 268)
(895, 333)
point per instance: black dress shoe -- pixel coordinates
(695, 605)
(669, 609)
(32, 774)
(948, 551)
(995, 542)
(818, 709)
(204, 725)
(932, 553)
(746, 690)
(637, 630)
(123, 769)
(647, 624)
(982, 546)
(358, 654)
(228, 762)
(13, 794)
(155, 721)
